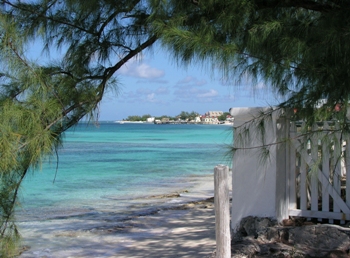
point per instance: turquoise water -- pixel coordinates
(106, 182)
(99, 165)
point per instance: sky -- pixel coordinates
(153, 84)
(156, 85)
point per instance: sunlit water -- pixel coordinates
(109, 173)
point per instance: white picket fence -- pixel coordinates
(304, 174)
(318, 182)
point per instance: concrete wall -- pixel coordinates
(254, 174)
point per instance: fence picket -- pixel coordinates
(327, 182)
(347, 166)
(292, 169)
(337, 172)
(303, 188)
(314, 169)
(331, 190)
(325, 169)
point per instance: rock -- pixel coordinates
(321, 237)
(254, 226)
(263, 237)
(288, 222)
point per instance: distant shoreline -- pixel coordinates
(171, 122)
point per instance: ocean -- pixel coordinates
(111, 173)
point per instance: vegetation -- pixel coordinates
(183, 116)
(40, 100)
(137, 118)
(165, 117)
(187, 116)
(223, 116)
(298, 48)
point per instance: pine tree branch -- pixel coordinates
(306, 4)
(113, 15)
(13, 202)
(111, 70)
(40, 15)
(194, 2)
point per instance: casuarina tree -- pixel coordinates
(298, 48)
(40, 100)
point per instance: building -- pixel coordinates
(214, 113)
(165, 120)
(197, 119)
(210, 120)
(150, 120)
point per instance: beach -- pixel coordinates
(123, 189)
(184, 227)
(181, 233)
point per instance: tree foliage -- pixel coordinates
(298, 48)
(39, 102)
(184, 115)
(138, 118)
(223, 116)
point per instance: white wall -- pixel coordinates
(253, 178)
(150, 120)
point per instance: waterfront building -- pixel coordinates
(214, 113)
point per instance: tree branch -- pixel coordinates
(306, 4)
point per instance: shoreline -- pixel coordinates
(168, 123)
(176, 224)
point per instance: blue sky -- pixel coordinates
(154, 84)
(157, 86)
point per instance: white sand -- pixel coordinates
(186, 233)
(168, 233)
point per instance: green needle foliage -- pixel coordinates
(298, 48)
(40, 100)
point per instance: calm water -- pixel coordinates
(106, 181)
(99, 165)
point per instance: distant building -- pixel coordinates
(165, 120)
(197, 119)
(214, 113)
(210, 120)
(211, 117)
(150, 120)
(229, 118)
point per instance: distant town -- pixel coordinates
(210, 117)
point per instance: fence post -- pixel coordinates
(282, 169)
(222, 211)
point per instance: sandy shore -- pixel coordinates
(186, 230)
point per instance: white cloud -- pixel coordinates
(158, 81)
(194, 94)
(162, 90)
(142, 70)
(151, 97)
(143, 91)
(209, 94)
(190, 81)
(146, 95)
(185, 80)
(260, 85)
(146, 72)
(201, 82)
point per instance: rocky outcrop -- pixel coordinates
(264, 237)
